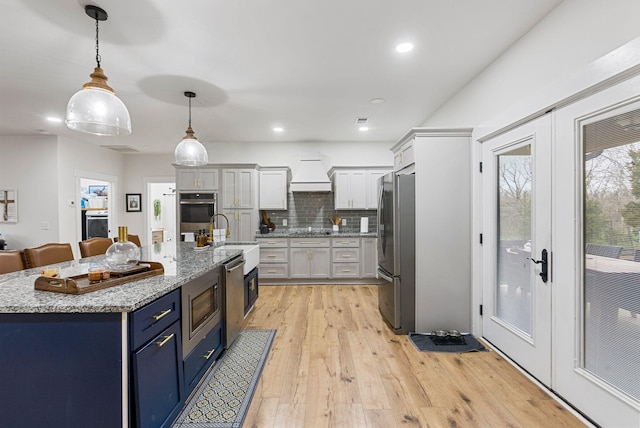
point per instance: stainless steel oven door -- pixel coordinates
(196, 210)
(201, 309)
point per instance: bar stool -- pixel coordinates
(48, 254)
(94, 246)
(11, 261)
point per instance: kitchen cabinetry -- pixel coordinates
(238, 188)
(309, 258)
(274, 258)
(345, 256)
(250, 290)
(369, 257)
(242, 224)
(157, 362)
(273, 189)
(190, 178)
(403, 155)
(357, 188)
(349, 189)
(371, 202)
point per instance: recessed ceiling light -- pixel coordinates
(376, 100)
(54, 119)
(404, 47)
(278, 129)
(363, 128)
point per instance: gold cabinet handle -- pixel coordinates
(346, 270)
(165, 340)
(271, 256)
(209, 354)
(271, 271)
(346, 256)
(162, 314)
(252, 285)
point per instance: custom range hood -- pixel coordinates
(310, 176)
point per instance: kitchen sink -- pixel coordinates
(251, 253)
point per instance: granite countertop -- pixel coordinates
(314, 233)
(181, 264)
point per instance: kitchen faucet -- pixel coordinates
(212, 222)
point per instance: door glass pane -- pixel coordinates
(611, 189)
(513, 287)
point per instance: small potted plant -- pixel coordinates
(157, 208)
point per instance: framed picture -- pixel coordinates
(8, 206)
(100, 190)
(134, 202)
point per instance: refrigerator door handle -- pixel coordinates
(384, 276)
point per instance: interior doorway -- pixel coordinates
(161, 217)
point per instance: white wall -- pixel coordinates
(30, 165)
(573, 35)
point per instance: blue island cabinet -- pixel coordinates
(79, 369)
(61, 370)
(156, 362)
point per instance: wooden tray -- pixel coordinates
(80, 284)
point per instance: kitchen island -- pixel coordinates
(108, 358)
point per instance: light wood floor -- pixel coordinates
(334, 363)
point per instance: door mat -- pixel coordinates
(223, 398)
(425, 343)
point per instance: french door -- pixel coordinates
(517, 276)
(596, 233)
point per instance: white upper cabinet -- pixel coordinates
(238, 188)
(356, 189)
(273, 189)
(197, 178)
(349, 189)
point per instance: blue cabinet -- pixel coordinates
(202, 357)
(158, 379)
(156, 362)
(250, 290)
(62, 370)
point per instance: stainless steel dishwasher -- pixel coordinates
(233, 299)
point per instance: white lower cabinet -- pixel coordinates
(368, 257)
(309, 258)
(274, 258)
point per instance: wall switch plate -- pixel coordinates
(344, 221)
(44, 225)
(284, 221)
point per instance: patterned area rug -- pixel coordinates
(223, 398)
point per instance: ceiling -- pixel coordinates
(309, 66)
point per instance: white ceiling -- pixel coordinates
(309, 66)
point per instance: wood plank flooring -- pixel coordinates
(335, 363)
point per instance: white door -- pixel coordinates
(597, 255)
(516, 194)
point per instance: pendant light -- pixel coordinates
(190, 152)
(95, 109)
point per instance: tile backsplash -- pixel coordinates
(313, 209)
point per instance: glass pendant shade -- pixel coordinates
(190, 151)
(95, 109)
(122, 255)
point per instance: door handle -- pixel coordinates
(544, 274)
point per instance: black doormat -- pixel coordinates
(426, 343)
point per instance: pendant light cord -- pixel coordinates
(189, 112)
(97, 44)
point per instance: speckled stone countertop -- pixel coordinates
(181, 264)
(314, 233)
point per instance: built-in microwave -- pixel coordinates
(201, 309)
(196, 210)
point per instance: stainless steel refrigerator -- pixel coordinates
(396, 251)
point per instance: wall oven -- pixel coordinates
(195, 211)
(201, 308)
